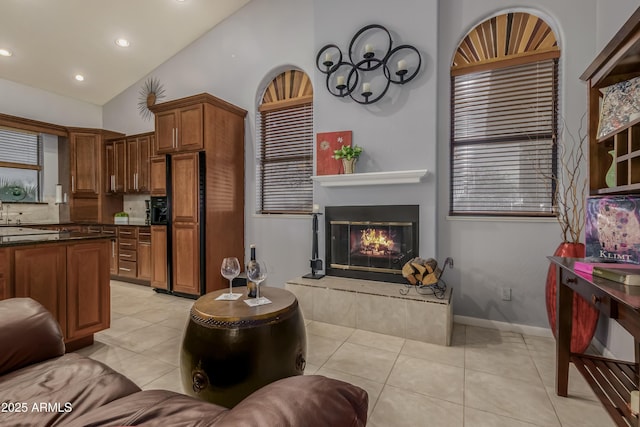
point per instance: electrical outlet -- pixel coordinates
(506, 294)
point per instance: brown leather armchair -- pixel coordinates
(40, 385)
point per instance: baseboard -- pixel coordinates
(503, 326)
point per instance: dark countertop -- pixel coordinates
(18, 236)
(134, 223)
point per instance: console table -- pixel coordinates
(611, 380)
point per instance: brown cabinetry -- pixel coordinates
(186, 258)
(159, 272)
(138, 154)
(114, 179)
(40, 273)
(70, 279)
(113, 254)
(616, 63)
(88, 299)
(179, 129)
(90, 199)
(5, 274)
(215, 128)
(127, 251)
(158, 179)
(144, 253)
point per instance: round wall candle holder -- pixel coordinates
(399, 65)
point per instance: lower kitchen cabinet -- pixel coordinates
(70, 279)
(5, 274)
(159, 257)
(186, 258)
(88, 299)
(144, 254)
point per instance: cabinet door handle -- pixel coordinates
(113, 249)
(173, 138)
(177, 138)
(125, 269)
(73, 183)
(126, 244)
(125, 256)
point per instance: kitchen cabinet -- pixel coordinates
(144, 253)
(5, 274)
(185, 182)
(127, 251)
(90, 201)
(88, 299)
(158, 178)
(179, 129)
(71, 280)
(40, 273)
(210, 218)
(138, 154)
(159, 273)
(114, 169)
(113, 256)
(85, 163)
(186, 258)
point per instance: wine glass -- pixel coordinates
(257, 272)
(230, 269)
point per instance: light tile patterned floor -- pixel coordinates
(486, 378)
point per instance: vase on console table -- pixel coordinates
(610, 177)
(585, 316)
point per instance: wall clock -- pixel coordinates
(150, 92)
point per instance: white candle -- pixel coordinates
(58, 193)
(366, 87)
(340, 80)
(327, 57)
(402, 65)
(635, 402)
(316, 208)
(368, 48)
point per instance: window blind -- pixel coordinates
(19, 147)
(285, 160)
(503, 149)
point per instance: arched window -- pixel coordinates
(285, 148)
(504, 118)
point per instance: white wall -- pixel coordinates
(24, 101)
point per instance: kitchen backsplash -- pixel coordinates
(134, 205)
(15, 213)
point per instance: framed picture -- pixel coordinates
(620, 107)
(326, 144)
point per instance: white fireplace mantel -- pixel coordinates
(371, 178)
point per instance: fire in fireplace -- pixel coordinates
(371, 242)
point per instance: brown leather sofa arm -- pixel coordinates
(305, 400)
(28, 334)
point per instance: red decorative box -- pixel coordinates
(612, 230)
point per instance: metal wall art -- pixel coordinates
(369, 71)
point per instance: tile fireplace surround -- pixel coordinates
(375, 306)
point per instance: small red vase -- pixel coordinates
(585, 316)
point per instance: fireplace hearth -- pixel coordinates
(371, 242)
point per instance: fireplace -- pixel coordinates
(371, 242)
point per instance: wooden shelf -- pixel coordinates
(612, 381)
(371, 178)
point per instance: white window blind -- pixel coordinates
(21, 160)
(503, 149)
(285, 160)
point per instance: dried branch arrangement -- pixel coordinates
(569, 184)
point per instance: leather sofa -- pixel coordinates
(40, 385)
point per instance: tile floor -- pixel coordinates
(486, 378)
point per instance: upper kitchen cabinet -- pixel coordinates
(90, 201)
(138, 153)
(178, 128)
(114, 166)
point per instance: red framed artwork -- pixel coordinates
(326, 144)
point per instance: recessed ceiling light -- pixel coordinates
(79, 77)
(5, 52)
(122, 42)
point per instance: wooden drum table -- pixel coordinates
(230, 350)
